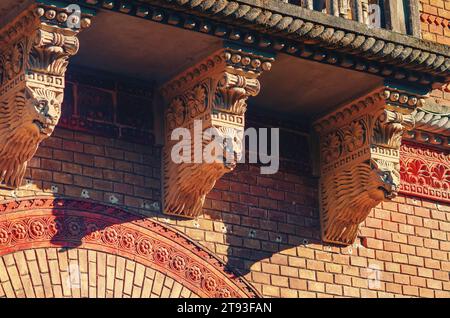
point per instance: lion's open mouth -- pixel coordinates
(388, 194)
(230, 165)
(42, 127)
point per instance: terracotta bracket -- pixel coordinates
(213, 93)
(34, 52)
(360, 158)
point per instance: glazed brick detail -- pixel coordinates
(435, 22)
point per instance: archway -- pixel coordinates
(52, 240)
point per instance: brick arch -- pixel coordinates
(74, 273)
(48, 222)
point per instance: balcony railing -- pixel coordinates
(401, 16)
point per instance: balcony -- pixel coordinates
(327, 51)
(394, 15)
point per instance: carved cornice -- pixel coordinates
(213, 92)
(432, 125)
(360, 158)
(34, 55)
(434, 118)
(300, 32)
(428, 139)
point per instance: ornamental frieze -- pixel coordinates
(425, 172)
(360, 158)
(214, 94)
(34, 54)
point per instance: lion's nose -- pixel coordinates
(42, 118)
(49, 119)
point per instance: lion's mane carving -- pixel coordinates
(187, 184)
(26, 118)
(348, 197)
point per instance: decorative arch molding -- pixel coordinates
(47, 222)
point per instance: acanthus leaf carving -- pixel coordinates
(33, 60)
(360, 159)
(233, 92)
(215, 92)
(51, 51)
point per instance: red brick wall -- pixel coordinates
(404, 243)
(266, 226)
(435, 25)
(435, 16)
(104, 155)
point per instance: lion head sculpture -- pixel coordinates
(349, 196)
(187, 184)
(26, 118)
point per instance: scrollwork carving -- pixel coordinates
(196, 101)
(390, 127)
(233, 92)
(51, 50)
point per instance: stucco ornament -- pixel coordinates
(360, 159)
(35, 48)
(214, 92)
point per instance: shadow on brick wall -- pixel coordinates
(263, 217)
(255, 216)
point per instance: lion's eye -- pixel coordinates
(41, 105)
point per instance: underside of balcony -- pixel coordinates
(145, 50)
